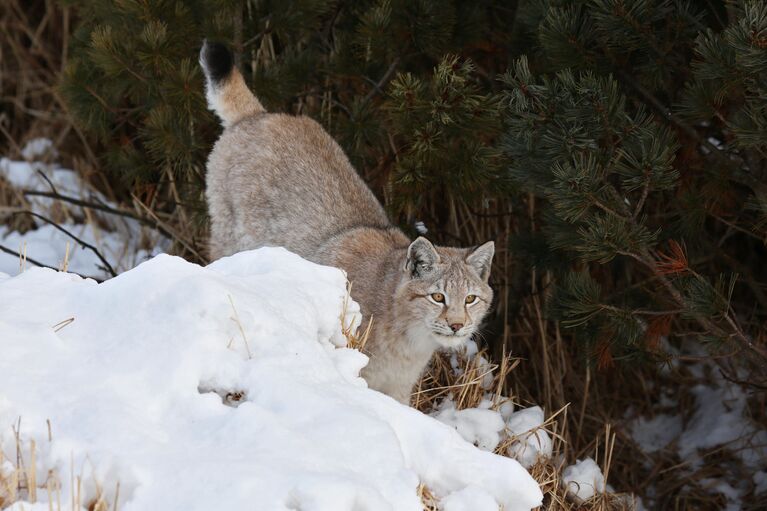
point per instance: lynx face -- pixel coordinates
(447, 291)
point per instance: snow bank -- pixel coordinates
(133, 385)
(470, 497)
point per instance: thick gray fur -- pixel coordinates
(281, 180)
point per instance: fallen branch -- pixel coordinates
(98, 207)
(42, 265)
(151, 220)
(83, 244)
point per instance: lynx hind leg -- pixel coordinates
(218, 243)
(223, 238)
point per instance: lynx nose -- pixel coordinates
(456, 326)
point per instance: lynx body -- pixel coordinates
(281, 180)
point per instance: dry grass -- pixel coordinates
(430, 502)
(35, 38)
(356, 338)
(33, 51)
(552, 371)
(19, 483)
(591, 425)
(478, 380)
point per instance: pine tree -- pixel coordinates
(651, 190)
(134, 81)
(623, 141)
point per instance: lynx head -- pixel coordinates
(446, 290)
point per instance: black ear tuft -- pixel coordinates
(216, 60)
(421, 257)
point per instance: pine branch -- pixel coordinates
(737, 175)
(378, 87)
(745, 342)
(642, 199)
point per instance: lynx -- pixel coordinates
(281, 180)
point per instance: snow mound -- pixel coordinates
(583, 480)
(470, 497)
(221, 388)
(532, 441)
(479, 426)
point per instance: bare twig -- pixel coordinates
(42, 265)
(378, 87)
(737, 175)
(154, 224)
(47, 180)
(84, 244)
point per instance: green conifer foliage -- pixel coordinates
(571, 139)
(134, 83)
(622, 141)
(652, 190)
(441, 125)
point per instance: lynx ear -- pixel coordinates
(481, 259)
(421, 257)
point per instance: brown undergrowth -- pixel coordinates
(470, 381)
(35, 40)
(478, 380)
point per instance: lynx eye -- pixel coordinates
(438, 297)
(471, 299)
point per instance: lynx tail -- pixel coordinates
(225, 89)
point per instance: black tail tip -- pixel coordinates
(217, 60)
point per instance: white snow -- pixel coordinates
(35, 176)
(720, 422)
(471, 497)
(760, 482)
(583, 480)
(123, 242)
(732, 495)
(656, 433)
(532, 441)
(132, 387)
(39, 148)
(26, 506)
(718, 418)
(50, 246)
(479, 426)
